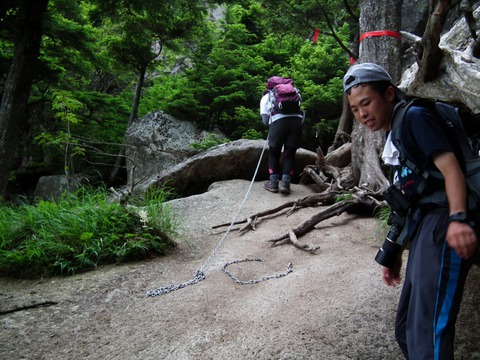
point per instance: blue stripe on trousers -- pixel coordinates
(448, 281)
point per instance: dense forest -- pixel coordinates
(100, 65)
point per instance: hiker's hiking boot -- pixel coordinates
(271, 185)
(285, 187)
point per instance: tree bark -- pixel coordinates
(28, 34)
(384, 50)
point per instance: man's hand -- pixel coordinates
(462, 239)
(391, 277)
(460, 236)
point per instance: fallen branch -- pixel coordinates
(310, 200)
(329, 170)
(313, 175)
(360, 197)
(250, 223)
(27, 307)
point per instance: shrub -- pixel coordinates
(80, 231)
(210, 141)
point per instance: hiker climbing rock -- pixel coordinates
(280, 110)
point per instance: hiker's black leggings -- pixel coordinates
(284, 133)
(274, 156)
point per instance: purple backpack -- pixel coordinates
(286, 97)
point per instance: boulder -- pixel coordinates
(234, 160)
(157, 142)
(51, 187)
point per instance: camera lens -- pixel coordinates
(387, 255)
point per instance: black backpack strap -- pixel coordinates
(451, 116)
(405, 157)
(399, 113)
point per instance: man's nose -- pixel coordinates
(362, 113)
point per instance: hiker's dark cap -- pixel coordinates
(367, 73)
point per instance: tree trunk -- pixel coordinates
(384, 50)
(344, 126)
(28, 34)
(133, 115)
(431, 55)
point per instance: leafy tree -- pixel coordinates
(141, 29)
(65, 108)
(209, 72)
(23, 22)
(223, 86)
(328, 16)
(69, 59)
(225, 75)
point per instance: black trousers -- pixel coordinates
(432, 292)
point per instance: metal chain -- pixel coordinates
(200, 275)
(247, 282)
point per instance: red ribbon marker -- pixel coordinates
(376, 33)
(380, 33)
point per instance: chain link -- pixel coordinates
(199, 276)
(247, 282)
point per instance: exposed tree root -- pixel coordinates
(310, 200)
(360, 197)
(292, 235)
(292, 238)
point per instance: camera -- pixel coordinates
(388, 253)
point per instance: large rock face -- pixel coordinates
(156, 142)
(234, 160)
(414, 16)
(460, 81)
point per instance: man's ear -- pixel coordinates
(390, 94)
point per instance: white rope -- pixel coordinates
(199, 276)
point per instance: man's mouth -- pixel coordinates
(369, 123)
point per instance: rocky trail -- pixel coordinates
(333, 304)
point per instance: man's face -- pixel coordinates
(370, 108)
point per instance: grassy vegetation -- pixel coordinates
(81, 231)
(210, 141)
